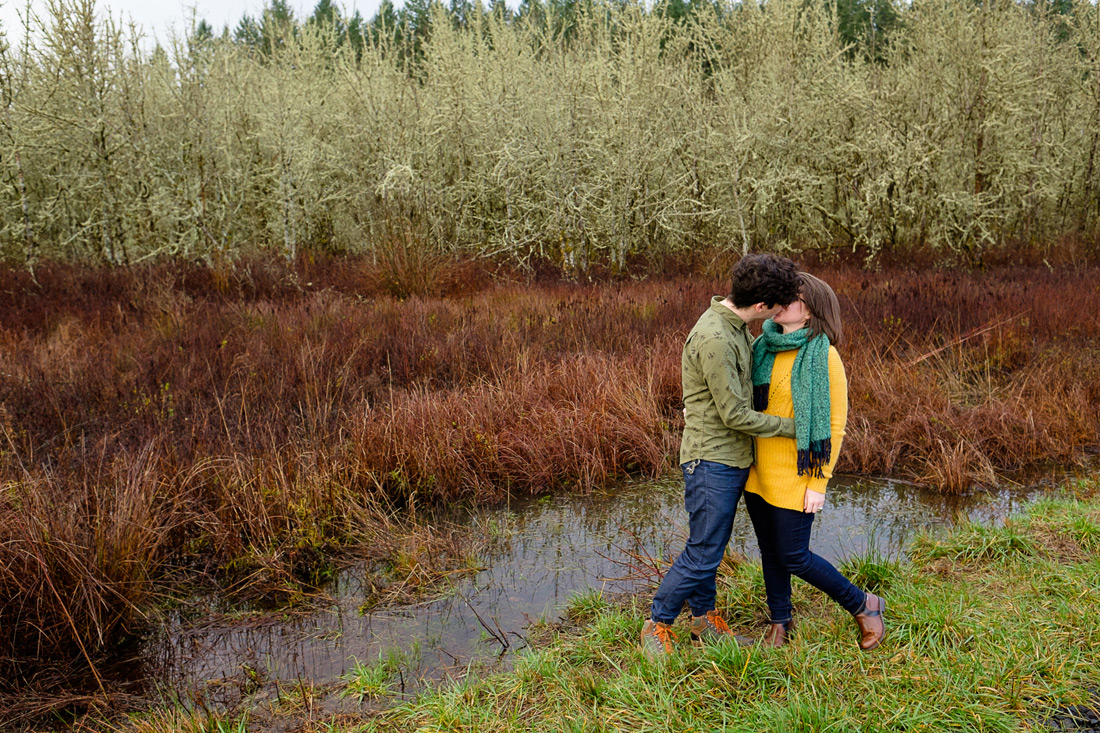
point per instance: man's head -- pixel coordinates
(764, 283)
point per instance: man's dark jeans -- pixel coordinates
(784, 539)
(711, 493)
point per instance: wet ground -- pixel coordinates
(543, 552)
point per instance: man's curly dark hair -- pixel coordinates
(764, 278)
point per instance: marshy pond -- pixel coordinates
(541, 554)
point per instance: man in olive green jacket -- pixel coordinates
(717, 447)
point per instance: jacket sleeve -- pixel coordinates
(719, 364)
(838, 420)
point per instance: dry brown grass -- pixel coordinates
(79, 561)
(247, 422)
(958, 377)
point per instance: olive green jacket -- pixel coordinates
(716, 370)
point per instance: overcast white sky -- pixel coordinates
(157, 16)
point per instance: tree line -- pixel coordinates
(570, 131)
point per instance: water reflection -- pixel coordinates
(544, 552)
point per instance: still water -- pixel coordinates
(543, 552)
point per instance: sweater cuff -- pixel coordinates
(818, 484)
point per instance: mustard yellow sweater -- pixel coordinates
(774, 475)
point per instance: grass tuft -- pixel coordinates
(871, 570)
(586, 605)
(374, 680)
(973, 542)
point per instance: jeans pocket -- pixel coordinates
(694, 487)
(719, 476)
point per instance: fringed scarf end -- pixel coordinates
(811, 461)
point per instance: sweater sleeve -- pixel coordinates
(719, 364)
(838, 408)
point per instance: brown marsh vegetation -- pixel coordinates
(243, 425)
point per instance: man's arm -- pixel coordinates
(719, 364)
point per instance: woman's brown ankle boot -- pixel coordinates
(872, 624)
(776, 635)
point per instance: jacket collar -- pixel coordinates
(727, 313)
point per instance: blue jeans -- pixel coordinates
(711, 493)
(784, 539)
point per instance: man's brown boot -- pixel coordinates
(777, 634)
(872, 624)
(713, 628)
(657, 639)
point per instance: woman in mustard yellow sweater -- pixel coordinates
(797, 373)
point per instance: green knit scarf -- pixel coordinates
(809, 390)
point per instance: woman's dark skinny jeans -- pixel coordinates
(784, 539)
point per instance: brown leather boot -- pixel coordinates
(776, 635)
(872, 624)
(657, 639)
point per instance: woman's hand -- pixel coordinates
(813, 502)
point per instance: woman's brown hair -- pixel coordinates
(823, 306)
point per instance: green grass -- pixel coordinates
(586, 605)
(374, 680)
(871, 570)
(177, 720)
(990, 629)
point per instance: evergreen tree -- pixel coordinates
(278, 26)
(563, 15)
(866, 26)
(326, 15)
(326, 19)
(357, 33)
(273, 31)
(385, 26)
(532, 12)
(461, 12)
(415, 22)
(677, 10)
(203, 32)
(500, 9)
(248, 33)
(417, 15)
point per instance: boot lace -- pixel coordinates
(665, 635)
(719, 623)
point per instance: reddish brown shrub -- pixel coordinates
(281, 411)
(79, 560)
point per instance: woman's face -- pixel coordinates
(794, 316)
